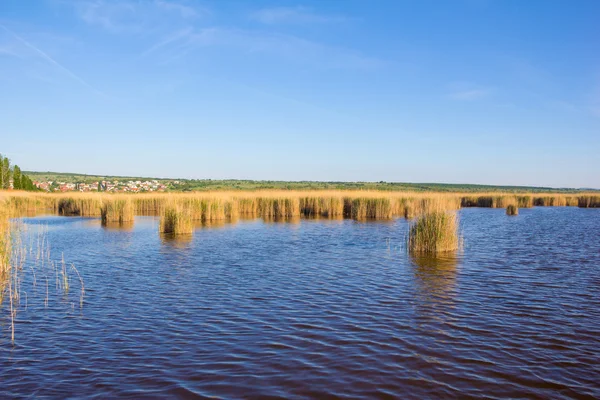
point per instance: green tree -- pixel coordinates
(5, 171)
(17, 184)
(27, 183)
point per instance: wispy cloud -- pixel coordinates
(465, 91)
(129, 16)
(292, 48)
(293, 15)
(184, 11)
(177, 36)
(8, 50)
(45, 56)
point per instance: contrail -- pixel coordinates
(53, 61)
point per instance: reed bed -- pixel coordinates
(277, 204)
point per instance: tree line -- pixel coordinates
(10, 173)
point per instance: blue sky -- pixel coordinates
(477, 91)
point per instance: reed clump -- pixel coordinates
(117, 210)
(176, 220)
(512, 209)
(434, 232)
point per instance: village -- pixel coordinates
(115, 186)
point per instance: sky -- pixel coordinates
(464, 91)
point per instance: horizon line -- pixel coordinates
(313, 181)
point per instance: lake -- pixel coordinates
(312, 309)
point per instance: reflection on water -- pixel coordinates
(314, 309)
(213, 224)
(286, 220)
(436, 273)
(119, 226)
(435, 282)
(176, 241)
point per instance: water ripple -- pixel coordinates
(316, 310)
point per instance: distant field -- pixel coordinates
(235, 184)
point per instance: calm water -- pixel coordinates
(314, 309)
